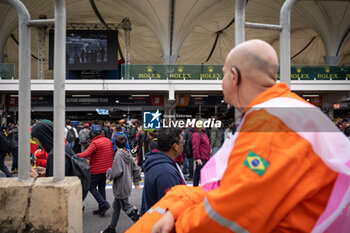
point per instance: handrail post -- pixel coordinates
(59, 90)
(240, 21)
(285, 63)
(24, 95)
(239, 33)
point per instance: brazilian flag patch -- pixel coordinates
(256, 163)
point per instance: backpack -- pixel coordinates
(13, 138)
(188, 144)
(84, 138)
(126, 132)
(80, 168)
(107, 131)
(4, 144)
(70, 135)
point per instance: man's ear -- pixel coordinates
(175, 145)
(237, 73)
(235, 76)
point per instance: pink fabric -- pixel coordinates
(209, 172)
(214, 169)
(338, 193)
(211, 186)
(348, 164)
(341, 224)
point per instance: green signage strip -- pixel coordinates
(214, 72)
(175, 72)
(320, 73)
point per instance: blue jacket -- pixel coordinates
(161, 173)
(115, 136)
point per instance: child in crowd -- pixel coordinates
(124, 168)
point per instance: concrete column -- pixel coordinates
(239, 34)
(41, 53)
(166, 108)
(169, 59)
(240, 21)
(126, 24)
(332, 60)
(285, 41)
(59, 89)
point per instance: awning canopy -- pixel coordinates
(197, 31)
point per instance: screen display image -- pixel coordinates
(89, 50)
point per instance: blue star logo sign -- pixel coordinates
(151, 120)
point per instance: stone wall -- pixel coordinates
(41, 205)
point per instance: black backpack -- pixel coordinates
(13, 138)
(107, 131)
(188, 144)
(4, 144)
(80, 168)
(70, 135)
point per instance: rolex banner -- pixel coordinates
(214, 72)
(175, 72)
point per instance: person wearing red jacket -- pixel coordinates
(201, 152)
(100, 152)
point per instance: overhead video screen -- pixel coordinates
(88, 50)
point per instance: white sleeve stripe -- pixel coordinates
(233, 226)
(158, 210)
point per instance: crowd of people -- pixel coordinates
(344, 125)
(273, 172)
(119, 152)
(139, 141)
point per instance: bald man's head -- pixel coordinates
(250, 68)
(254, 58)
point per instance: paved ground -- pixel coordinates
(8, 163)
(94, 223)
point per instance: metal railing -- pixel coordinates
(24, 28)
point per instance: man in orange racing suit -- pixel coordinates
(272, 175)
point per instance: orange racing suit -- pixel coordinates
(272, 180)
